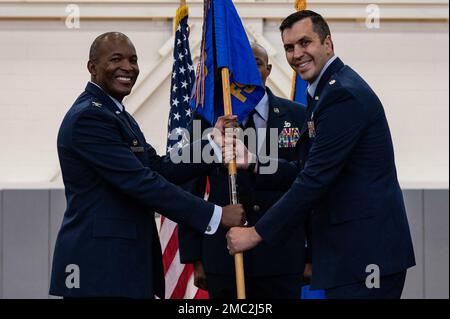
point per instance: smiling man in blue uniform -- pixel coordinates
(345, 174)
(108, 245)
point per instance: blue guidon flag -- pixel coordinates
(225, 45)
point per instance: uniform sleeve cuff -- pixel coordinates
(215, 221)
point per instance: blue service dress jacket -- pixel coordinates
(346, 175)
(114, 182)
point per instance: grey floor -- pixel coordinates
(30, 220)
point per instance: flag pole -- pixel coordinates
(180, 13)
(299, 5)
(232, 175)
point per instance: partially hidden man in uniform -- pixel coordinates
(345, 173)
(270, 272)
(108, 244)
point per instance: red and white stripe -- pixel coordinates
(179, 277)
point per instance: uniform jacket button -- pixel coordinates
(256, 208)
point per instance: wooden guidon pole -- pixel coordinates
(232, 175)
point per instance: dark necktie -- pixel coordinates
(251, 124)
(309, 100)
(250, 121)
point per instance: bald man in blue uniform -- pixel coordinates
(108, 245)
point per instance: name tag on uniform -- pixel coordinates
(288, 137)
(137, 149)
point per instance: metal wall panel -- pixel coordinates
(1, 243)
(25, 243)
(414, 285)
(436, 244)
(30, 221)
(57, 208)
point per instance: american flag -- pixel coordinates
(179, 277)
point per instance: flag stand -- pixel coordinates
(232, 175)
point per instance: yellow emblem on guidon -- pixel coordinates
(300, 5)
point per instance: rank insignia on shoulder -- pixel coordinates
(97, 104)
(332, 82)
